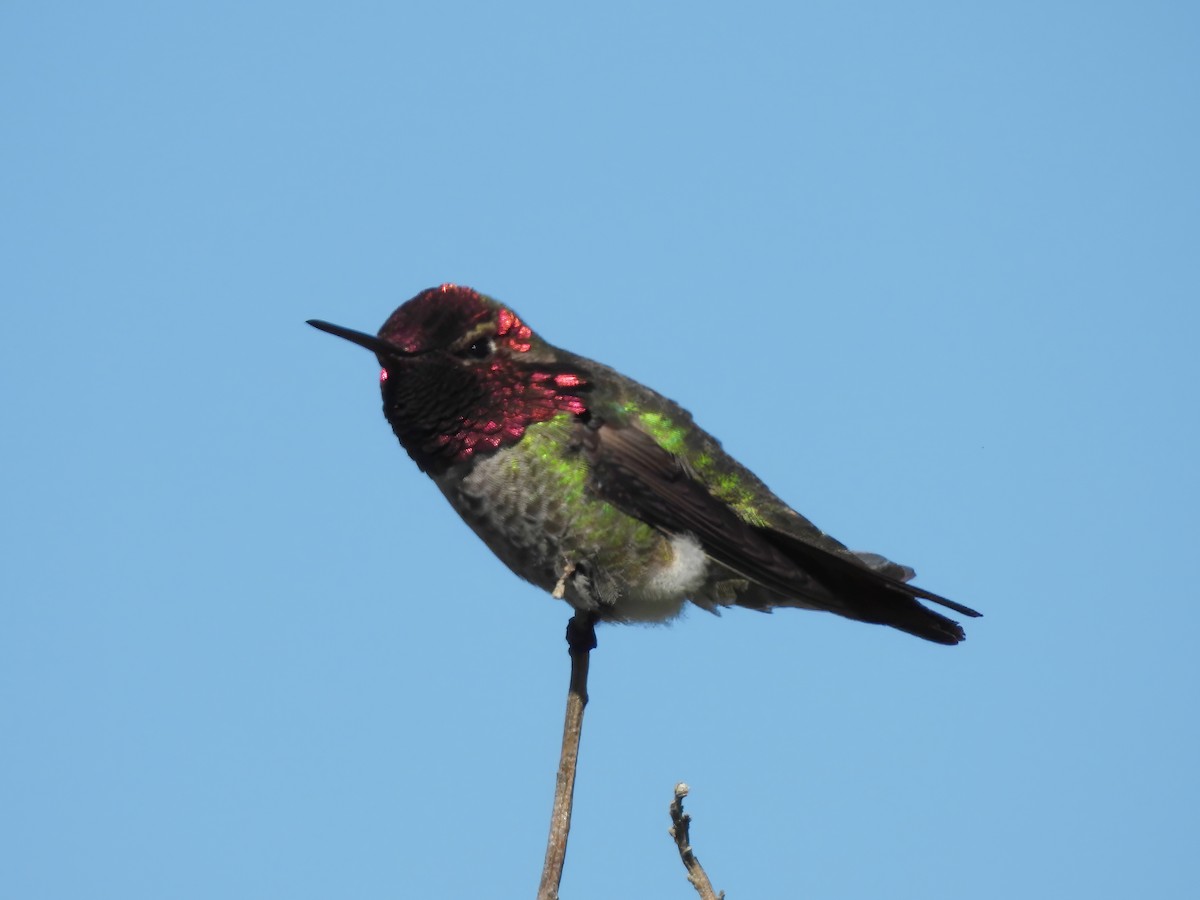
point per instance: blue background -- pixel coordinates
(929, 269)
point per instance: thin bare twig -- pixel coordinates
(679, 830)
(581, 639)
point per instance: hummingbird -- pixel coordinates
(600, 490)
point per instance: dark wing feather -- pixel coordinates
(631, 471)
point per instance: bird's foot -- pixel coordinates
(581, 633)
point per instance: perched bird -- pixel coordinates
(601, 491)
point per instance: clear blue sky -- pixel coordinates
(932, 272)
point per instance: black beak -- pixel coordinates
(378, 346)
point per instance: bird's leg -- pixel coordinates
(561, 588)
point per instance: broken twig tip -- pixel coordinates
(680, 831)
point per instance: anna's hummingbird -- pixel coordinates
(601, 491)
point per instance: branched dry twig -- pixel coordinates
(581, 639)
(679, 830)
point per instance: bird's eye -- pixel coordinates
(480, 349)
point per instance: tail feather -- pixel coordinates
(885, 566)
(871, 588)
